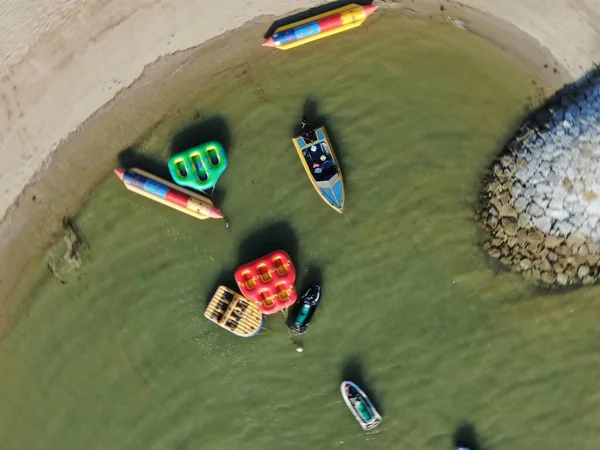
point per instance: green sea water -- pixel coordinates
(122, 358)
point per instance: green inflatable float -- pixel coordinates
(199, 167)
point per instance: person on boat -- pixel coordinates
(316, 166)
(306, 132)
(304, 123)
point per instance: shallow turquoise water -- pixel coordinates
(122, 358)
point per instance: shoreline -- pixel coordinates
(49, 193)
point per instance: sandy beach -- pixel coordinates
(72, 67)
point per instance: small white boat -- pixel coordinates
(360, 406)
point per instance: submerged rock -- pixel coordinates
(541, 200)
(68, 254)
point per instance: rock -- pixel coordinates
(506, 161)
(492, 222)
(504, 197)
(517, 188)
(558, 214)
(578, 208)
(523, 220)
(545, 265)
(588, 280)
(553, 177)
(545, 168)
(543, 224)
(583, 250)
(575, 240)
(594, 248)
(571, 198)
(497, 169)
(507, 211)
(564, 228)
(577, 221)
(534, 210)
(499, 232)
(509, 225)
(562, 279)
(548, 277)
(497, 242)
(558, 195)
(593, 207)
(521, 174)
(552, 257)
(585, 230)
(583, 271)
(535, 237)
(494, 252)
(493, 211)
(564, 250)
(533, 249)
(568, 185)
(541, 201)
(559, 267)
(553, 241)
(593, 221)
(544, 188)
(511, 242)
(587, 147)
(525, 264)
(521, 204)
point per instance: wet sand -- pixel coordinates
(54, 143)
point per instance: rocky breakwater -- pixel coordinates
(540, 203)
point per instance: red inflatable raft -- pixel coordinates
(268, 281)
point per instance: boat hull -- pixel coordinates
(357, 392)
(324, 170)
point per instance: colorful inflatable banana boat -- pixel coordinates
(319, 26)
(268, 281)
(161, 191)
(236, 314)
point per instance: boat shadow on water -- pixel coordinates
(314, 275)
(313, 12)
(131, 158)
(214, 128)
(310, 109)
(277, 236)
(352, 370)
(466, 436)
